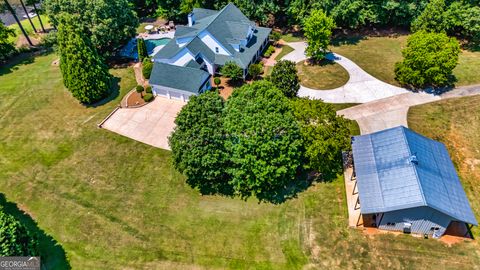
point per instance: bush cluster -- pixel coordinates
(256, 143)
(269, 51)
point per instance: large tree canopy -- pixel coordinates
(84, 73)
(432, 18)
(6, 47)
(318, 29)
(15, 239)
(197, 144)
(284, 77)
(324, 133)
(428, 60)
(109, 23)
(264, 142)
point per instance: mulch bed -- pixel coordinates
(135, 99)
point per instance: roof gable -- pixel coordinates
(388, 180)
(184, 78)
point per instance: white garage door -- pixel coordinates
(175, 95)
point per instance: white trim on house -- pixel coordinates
(212, 43)
(178, 94)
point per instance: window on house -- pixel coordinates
(216, 50)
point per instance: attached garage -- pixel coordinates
(178, 82)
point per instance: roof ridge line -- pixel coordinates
(208, 24)
(183, 66)
(414, 167)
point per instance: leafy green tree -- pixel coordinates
(232, 70)
(324, 133)
(142, 49)
(84, 73)
(147, 66)
(284, 77)
(254, 70)
(318, 29)
(428, 60)
(15, 239)
(6, 5)
(197, 144)
(264, 142)
(432, 18)
(108, 23)
(275, 37)
(139, 89)
(6, 47)
(461, 17)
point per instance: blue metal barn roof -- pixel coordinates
(398, 169)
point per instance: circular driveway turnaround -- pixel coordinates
(384, 105)
(360, 88)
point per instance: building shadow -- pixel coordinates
(52, 254)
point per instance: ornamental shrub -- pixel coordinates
(148, 97)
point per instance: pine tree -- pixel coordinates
(84, 73)
(142, 49)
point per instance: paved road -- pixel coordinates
(360, 88)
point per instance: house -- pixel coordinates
(407, 182)
(211, 39)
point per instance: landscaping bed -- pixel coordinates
(322, 76)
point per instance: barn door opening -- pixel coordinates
(407, 227)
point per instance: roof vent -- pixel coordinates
(413, 159)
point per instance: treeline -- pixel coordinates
(463, 16)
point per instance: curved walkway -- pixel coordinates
(360, 88)
(384, 105)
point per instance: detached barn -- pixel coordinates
(407, 182)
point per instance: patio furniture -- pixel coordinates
(171, 25)
(149, 27)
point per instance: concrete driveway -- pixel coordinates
(150, 124)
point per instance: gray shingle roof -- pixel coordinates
(184, 78)
(228, 25)
(388, 180)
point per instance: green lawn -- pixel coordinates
(113, 203)
(292, 37)
(324, 76)
(28, 27)
(455, 122)
(378, 55)
(285, 50)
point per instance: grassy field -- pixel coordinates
(113, 203)
(323, 76)
(28, 27)
(378, 55)
(285, 50)
(296, 37)
(455, 122)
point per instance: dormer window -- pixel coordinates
(216, 50)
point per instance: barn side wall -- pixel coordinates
(421, 218)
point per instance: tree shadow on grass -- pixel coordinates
(17, 61)
(52, 255)
(347, 40)
(114, 93)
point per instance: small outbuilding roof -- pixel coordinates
(189, 79)
(398, 168)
